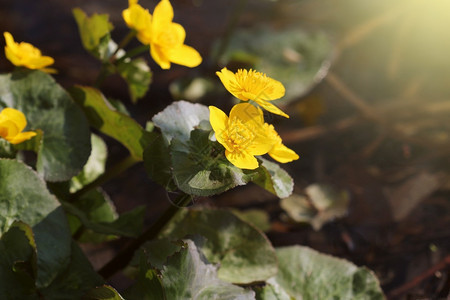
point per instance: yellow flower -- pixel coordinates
(12, 122)
(26, 55)
(241, 134)
(166, 39)
(279, 152)
(252, 85)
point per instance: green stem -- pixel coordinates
(122, 259)
(232, 24)
(109, 174)
(123, 43)
(134, 52)
(104, 72)
(108, 66)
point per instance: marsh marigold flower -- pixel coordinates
(166, 39)
(251, 85)
(279, 151)
(12, 122)
(242, 134)
(26, 55)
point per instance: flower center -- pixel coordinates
(239, 136)
(251, 81)
(168, 38)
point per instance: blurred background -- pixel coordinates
(368, 94)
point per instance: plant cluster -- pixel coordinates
(52, 201)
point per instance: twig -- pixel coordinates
(351, 97)
(373, 114)
(367, 151)
(418, 279)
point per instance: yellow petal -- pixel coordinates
(178, 31)
(159, 56)
(162, 16)
(185, 56)
(218, 120)
(126, 15)
(23, 136)
(12, 57)
(15, 116)
(273, 90)
(247, 112)
(145, 36)
(8, 129)
(131, 2)
(242, 160)
(39, 62)
(137, 17)
(49, 70)
(260, 145)
(10, 41)
(283, 154)
(272, 108)
(228, 80)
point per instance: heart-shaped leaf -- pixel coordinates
(244, 253)
(65, 145)
(307, 274)
(24, 196)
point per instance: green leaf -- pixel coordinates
(257, 217)
(75, 280)
(321, 204)
(7, 150)
(94, 167)
(18, 269)
(65, 144)
(104, 117)
(104, 292)
(307, 274)
(180, 118)
(95, 33)
(244, 253)
(157, 162)
(271, 291)
(200, 168)
(157, 251)
(293, 56)
(33, 144)
(97, 213)
(274, 179)
(18, 263)
(24, 196)
(148, 285)
(97, 208)
(199, 280)
(138, 76)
